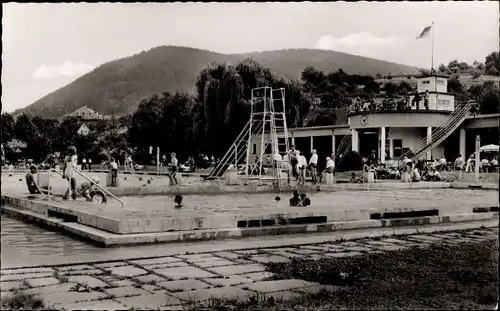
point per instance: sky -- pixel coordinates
(47, 46)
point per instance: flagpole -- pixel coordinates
(432, 48)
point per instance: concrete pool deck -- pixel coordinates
(153, 219)
(213, 210)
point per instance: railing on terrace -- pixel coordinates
(398, 104)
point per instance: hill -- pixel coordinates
(119, 85)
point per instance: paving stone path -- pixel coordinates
(168, 283)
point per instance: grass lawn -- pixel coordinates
(438, 277)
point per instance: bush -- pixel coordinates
(22, 301)
(351, 161)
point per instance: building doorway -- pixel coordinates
(368, 143)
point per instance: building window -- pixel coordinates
(397, 147)
(254, 149)
(439, 82)
(426, 82)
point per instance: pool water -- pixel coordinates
(334, 200)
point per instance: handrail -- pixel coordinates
(451, 122)
(90, 180)
(228, 154)
(344, 142)
(238, 141)
(443, 124)
(455, 118)
(443, 130)
(440, 131)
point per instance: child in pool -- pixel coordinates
(305, 200)
(295, 200)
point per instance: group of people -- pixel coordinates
(485, 165)
(86, 189)
(395, 103)
(299, 165)
(86, 164)
(298, 200)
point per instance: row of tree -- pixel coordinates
(29, 137)
(491, 66)
(209, 120)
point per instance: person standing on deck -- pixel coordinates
(294, 161)
(70, 162)
(113, 166)
(173, 167)
(84, 164)
(313, 165)
(277, 160)
(302, 168)
(426, 100)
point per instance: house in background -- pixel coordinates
(83, 130)
(86, 114)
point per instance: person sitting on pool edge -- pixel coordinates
(354, 179)
(330, 168)
(295, 199)
(30, 181)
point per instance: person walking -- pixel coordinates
(70, 162)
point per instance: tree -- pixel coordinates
(492, 63)
(424, 72)
(403, 88)
(463, 66)
(67, 134)
(476, 74)
(489, 100)
(390, 89)
(453, 65)
(314, 78)
(454, 85)
(8, 124)
(478, 66)
(24, 129)
(492, 71)
(220, 92)
(145, 123)
(442, 68)
(168, 117)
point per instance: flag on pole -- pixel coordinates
(425, 33)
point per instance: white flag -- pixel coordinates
(425, 33)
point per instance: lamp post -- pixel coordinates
(478, 146)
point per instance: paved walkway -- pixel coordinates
(169, 281)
